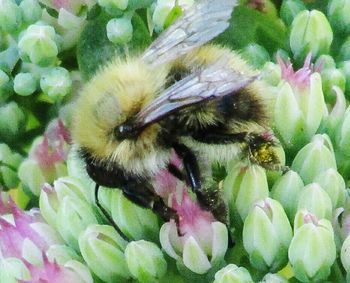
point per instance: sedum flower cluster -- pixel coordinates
(290, 226)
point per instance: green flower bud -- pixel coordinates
(338, 15)
(345, 68)
(12, 122)
(310, 32)
(243, 187)
(24, 84)
(38, 44)
(9, 58)
(113, 5)
(345, 254)
(266, 235)
(286, 190)
(256, 55)
(70, 186)
(56, 83)
(316, 200)
(233, 274)
(10, 16)
(333, 183)
(344, 52)
(61, 254)
(331, 123)
(165, 12)
(103, 250)
(31, 11)
(4, 78)
(326, 61)
(139, 4)
(12, 270)
(343, 138)
(9, 163)
(290, 9)
(120, 30)
(314, 158)
(134, 221)
(271, 73)
(145, 261)
(330, 78)
(273, 278)
(312, 250)
(31, 175)
(73, 216)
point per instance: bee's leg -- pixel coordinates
(106, 214)
(176, 172)
(141, 193)
(208, 198)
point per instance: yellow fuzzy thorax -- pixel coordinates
(115, 93)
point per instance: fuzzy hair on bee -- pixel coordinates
(181, 95)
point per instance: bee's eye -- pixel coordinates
(125, 131)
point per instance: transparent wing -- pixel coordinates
(206, 84)
(199, 24)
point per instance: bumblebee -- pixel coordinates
(179, 95)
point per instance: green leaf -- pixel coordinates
(94, 49)
(251, 26)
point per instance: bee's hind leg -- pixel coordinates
(208, 198)
(106, 214)
(141, 193)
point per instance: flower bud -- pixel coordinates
(290, 9)
(10, 16)
(31, 11)
(145, 261)
(243, 187)
(160, 14)
(333, 183)
(338, 15)
(266, 235)
(9, 163)
(345, 254)
(314, 199)
(12, 121)
(271, 73)
(325, 61)
(202, 242)
(62, 254)
(344, 52)
(134, 221)
(273, 278)
(343, 138)
(31, 175)
(103, 250)
(233, 274)
(12, 270)
(345, 68)
(331, 78)
(314, 158)
(330, 124)
(312, 250)
(73, 216)
(119, 30)
(38, 44)
(255, 54)
(286, 190)
(4, 78)
(310, 32)
(24, 84)
(56, 83)
(113, 5)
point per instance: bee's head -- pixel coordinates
(108, 101)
